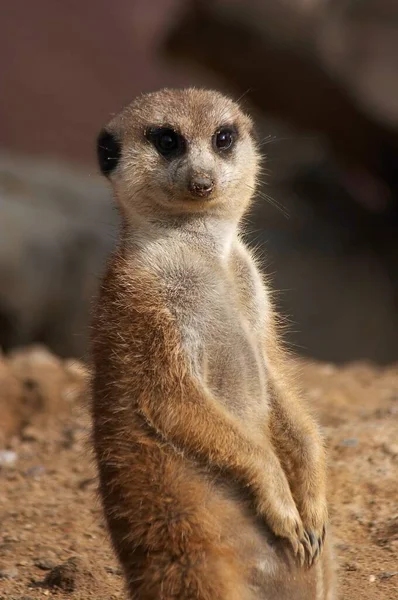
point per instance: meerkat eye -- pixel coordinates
(224, 138)
(167, 142)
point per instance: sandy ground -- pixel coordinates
(52, 540)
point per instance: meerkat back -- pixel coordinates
(211, 473)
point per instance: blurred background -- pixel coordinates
(320, 78)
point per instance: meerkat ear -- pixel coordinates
(109, 151)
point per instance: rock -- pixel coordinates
(391, 449)
(8, 458)
(351, 567)
(8, 572)
(46, 563)
(84, 483)
(11, 539)
(36, 471)
(33, 388)
(31, 434)
(349, 443)
(388, 575)
(71, 575)
(38, 356)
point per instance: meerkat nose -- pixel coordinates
(201, 185)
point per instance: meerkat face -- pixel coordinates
(182, 151)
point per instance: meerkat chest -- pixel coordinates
(235, 365)
(223, 313)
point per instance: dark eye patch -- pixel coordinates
(168, 142)
(224, 139)
(109, 151)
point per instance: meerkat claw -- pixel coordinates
(315, 546)
(301, 554)
(323, 534)
(312, 538)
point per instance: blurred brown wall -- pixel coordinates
(65, 66)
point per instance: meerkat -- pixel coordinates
(212, 474)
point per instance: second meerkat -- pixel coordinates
(212, 473)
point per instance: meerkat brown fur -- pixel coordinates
(212, 474)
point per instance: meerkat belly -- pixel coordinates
(234, 369)
(222, 315)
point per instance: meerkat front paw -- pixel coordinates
(314, 518)
(288, 524)
(282, 516)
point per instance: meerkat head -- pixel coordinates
(180, 151)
